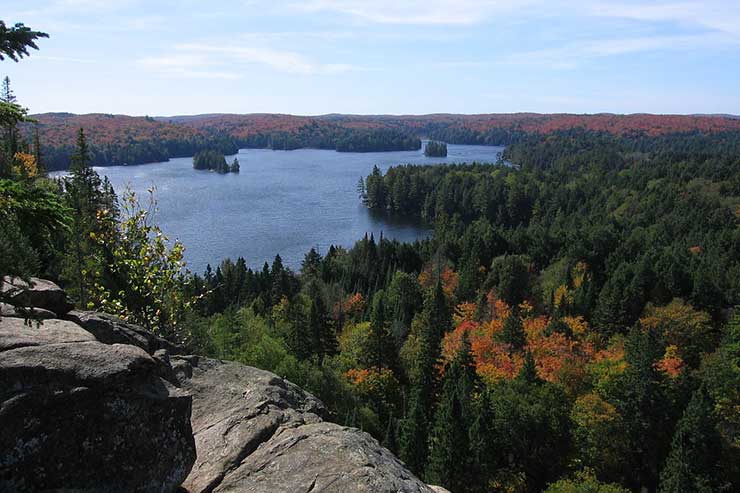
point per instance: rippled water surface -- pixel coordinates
(282, 201)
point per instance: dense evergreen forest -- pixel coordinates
(323, 136)
(568, 327)
(435, 149)
(214, 161)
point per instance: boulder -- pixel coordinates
(321, 457)
(86, 416)
(16, 333)
(257, 432)
(7, 310)
(235, 409)
(37, 293)
(110, 329)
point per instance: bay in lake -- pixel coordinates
(282, 202)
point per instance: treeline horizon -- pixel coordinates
(121, 139)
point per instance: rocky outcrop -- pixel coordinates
(18, 333)
(78, 414)
(37, 293)
(109, 329)
(91, 403)
(257, 432)
(321, 457)
(7, 310)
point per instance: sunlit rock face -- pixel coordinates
(91, 403)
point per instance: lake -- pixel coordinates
(282, 202)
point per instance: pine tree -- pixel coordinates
(449, 443)
(482, 442)
(434, 320)
(381, 342)
(311, 265)
(279, 281)
(11, 115)
(7, 95)
(412, 447)
(16, 40)
(528, 372)
(692, 463)
(513, 332)
(92, 207)
(439, 314)
(640, 398)
(323, 339)
(300, 339)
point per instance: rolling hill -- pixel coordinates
(122, 139)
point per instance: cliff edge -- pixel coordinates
(91, 403)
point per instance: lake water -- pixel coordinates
(282, 202)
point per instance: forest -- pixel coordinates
(120, 139)
(435, 149)
(569, 327)
(214, 161)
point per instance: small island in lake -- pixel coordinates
(435, 149)
(215, 161)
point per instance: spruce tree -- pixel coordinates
(449, 443)
(279, 286)
(323, 339)
(434, 320)
(82, 262)
(11, 115)
(16, 40)
(412, 447)
(528, 372)
(692, 463)
(513, 332)
(439, 314)
(381, 342)
(7, 96)
(311, 265)
(639, 396)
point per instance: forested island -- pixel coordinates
(570, 326)
(435, 149)
(214, 161)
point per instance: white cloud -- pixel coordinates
(185, 65)
(720, 15)
(717, 15)
(570, 55)
(426, 12)
(62, 59)
(189, 55)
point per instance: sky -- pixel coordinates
(309, 57)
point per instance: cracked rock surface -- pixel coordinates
(256, 432)
(80, 415)
(91, 403)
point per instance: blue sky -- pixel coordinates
(162, 57)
